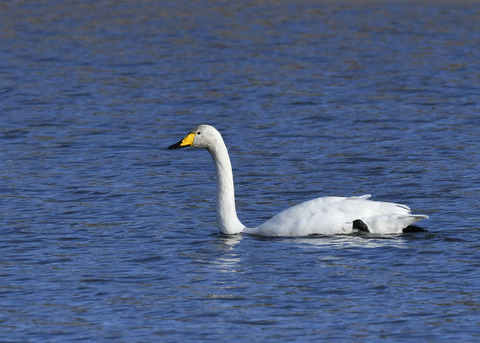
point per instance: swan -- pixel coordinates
(326, 215)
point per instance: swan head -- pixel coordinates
(203, 136)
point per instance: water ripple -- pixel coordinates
(106, 235)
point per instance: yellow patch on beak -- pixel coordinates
(188, 140)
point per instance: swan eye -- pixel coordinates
(199, 133)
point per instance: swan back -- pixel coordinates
(335, 215)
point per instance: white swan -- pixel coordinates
(328, 215)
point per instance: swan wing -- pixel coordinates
(335, 215)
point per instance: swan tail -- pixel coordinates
(392, 224)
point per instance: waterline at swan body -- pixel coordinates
(327, 215)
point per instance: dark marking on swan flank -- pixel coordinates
(360, 225)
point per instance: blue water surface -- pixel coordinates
(105, 235)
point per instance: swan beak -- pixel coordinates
(187, 141)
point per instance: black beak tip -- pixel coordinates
(176, 145)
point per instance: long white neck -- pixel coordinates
(227, 219)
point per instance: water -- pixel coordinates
(107, 236)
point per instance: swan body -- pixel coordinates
(326, 215)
